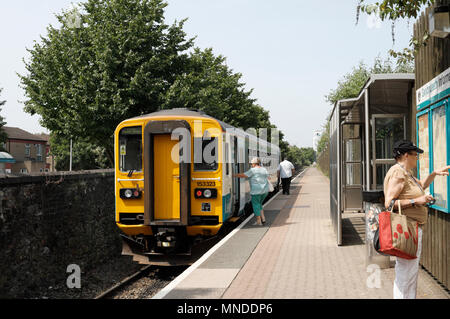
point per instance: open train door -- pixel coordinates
(167, 180)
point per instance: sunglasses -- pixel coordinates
(414, 154)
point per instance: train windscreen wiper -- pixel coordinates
(130, 172)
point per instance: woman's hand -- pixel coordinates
(423, 200)
(442, 171)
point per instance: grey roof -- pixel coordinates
(19, 134)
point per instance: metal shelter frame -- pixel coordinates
(358, 158)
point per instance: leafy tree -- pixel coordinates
(301, 157)
(211, 86)
(119, 61)
(324, 138)
(352, 83)
(3, 135)
(84, 155)
(394, 10)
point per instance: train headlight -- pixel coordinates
(128, 193)
(207, 193)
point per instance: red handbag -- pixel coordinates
(397, 235)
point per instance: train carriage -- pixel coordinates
(173, 179)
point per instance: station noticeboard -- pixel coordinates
(433, 135)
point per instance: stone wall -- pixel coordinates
(49, 221)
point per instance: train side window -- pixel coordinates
(208, 156)
(130, 149)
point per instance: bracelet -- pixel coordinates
(413, 203)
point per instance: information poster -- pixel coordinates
(440, 155)
(424, 141)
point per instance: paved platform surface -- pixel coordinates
(295, 256)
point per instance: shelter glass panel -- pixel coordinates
(388, 130)
(381, 170)
(424, 144)
(351, 131)
(440, 155)
(353, 173)
(353, 150)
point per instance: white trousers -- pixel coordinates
(406, 273)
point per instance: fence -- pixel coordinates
(323, 161)
(430, 61)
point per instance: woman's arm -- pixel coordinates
(441, 171)
(394, 188)
(240, 175)
(428, 180)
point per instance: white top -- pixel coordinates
(285, 169)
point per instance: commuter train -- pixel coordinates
(173, 180)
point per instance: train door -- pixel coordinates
(241, 168)
(235, 170)
(166, 178)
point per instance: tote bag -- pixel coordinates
(271, 189)
(397, 235)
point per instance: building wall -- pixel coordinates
(17, 148)
(50, 221)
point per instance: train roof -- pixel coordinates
(193, 113)
(185, 112)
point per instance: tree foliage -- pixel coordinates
(84, 155)
(352, 83)
(301, 157)
(122, 60)
(394, 9)
(398, 9)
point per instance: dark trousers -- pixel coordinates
(286, 184)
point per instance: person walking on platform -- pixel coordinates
(401, 187)
(259, 187)
(285, 170)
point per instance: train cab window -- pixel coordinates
(130, 149)
(208, 160)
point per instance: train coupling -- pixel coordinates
(166, 237)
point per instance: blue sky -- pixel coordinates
(290, 52)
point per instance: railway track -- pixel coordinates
(143, 284)
(147, 282)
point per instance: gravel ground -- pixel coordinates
(93, 282)
(147, 286)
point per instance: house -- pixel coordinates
(49, 158)
(28, 151)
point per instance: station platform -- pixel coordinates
(293, 256)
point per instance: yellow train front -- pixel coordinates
(174, 184)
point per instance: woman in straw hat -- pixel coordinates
(259, 187)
